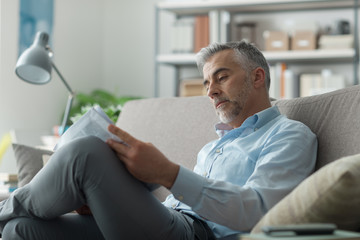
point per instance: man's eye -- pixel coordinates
(222, 78)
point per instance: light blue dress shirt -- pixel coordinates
(245, 172)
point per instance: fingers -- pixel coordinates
(121, 148)
(127, 138)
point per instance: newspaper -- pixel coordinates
(93, 123)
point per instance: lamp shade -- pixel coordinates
(34, 64)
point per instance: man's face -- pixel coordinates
(228, 87)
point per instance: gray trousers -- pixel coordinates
(87, 171)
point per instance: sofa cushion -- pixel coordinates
(178, 126)
(333, 117)
(29, 160)
(330, 195)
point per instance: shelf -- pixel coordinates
(235, 8)
(202, 7)
(177, 59)
(327, 55)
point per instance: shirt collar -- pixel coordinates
(255, 121)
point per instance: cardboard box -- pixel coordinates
(192, 87)
(303, 40)
(276, 41)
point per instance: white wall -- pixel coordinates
(78, 43)
(128, 47)
(78, 55)
(97, 44)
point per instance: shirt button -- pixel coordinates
(218, 150)
(181, 198)
(173, 206)
(204, 174)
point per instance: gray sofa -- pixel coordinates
(181, 126)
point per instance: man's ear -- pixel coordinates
(258, 77)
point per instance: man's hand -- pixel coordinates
(143, 160)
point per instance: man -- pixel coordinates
(258, 159)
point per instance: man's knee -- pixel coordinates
(15, 229)
(83, 149)
(87, 155)
(84, 145)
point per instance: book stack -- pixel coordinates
(8, 183)
(314, 84)
(183, 35)
(284, 84)
(190, 34)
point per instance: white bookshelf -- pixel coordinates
(318, 56)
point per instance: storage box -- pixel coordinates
(276, 41)
(192, 87)
(303, 40)
(336, 41)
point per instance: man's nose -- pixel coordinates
(213, 90)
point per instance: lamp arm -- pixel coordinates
(66, 114)
(69, 101)
(62, 79)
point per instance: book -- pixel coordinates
(182, 39)
(277, 76)
(202, 32)
(338, 235)
(93, 123)
(214, 31)
(309, 83)
(291, 85)
(282, 68)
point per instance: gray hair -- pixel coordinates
(247, 55)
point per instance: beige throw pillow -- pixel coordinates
(29, 160)
(330, 195)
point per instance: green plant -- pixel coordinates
(111, 104)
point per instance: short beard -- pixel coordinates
(228, 116)
(237, 105)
